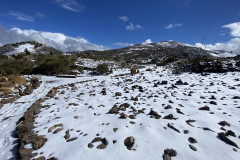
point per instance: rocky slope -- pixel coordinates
(153, 52)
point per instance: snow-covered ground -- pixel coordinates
(21, 49)
(12, 112)
(82, 110)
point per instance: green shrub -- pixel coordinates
(102, 68)
(80, 69)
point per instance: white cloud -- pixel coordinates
(21, 16)
(148, 41)
(235, 29)
(170, 26)
(56, 40)
(40, 15)
(123, 44)
(71, 5)
(132, 27)
(232, 45)
(124, 18)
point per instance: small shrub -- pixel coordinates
(5, 90)
(102, 68)
(80, 69)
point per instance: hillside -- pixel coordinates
(155, 52)
(31, 46)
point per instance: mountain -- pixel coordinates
(31, 46)
(153, 52)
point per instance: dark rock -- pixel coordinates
(192, 147)
(67, 135)
(155, 114)
(227, 140)
(104, 141)
(192, 140)
(90, 145)
(115, 129)
(97, 139)
(170, 152)
(170, 117)
(118, 94)
(172, 127)
(168, 107)
(134, 98)
(166, 157)
(190, 121)
(185, 131)
(101, 146)
(179, 111)
(213, 102)
(114, 110)
(224, 123)
(205, 108)
(123, 116)
(129, 142)
(39, 142)
(72, 139)
(236, 97)
(230, 133)
(164, 82)
(132, 116)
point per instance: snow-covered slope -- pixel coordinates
(31, 46)
(21, 49)
(82, 112)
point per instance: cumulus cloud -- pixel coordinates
(132, 27)
(148, 41)
(56, 40)
(235, 29)
(171, 26)
(21, 16)
(232, 45)
(124, 44)
(124, 18)
(70, 5)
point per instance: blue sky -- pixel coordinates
(115, 23)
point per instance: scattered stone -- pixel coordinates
(170, 152)
(67, 135)
(166, 157)
(227, 140)
(114, 110)
(205, 108)
(132, 116)
(129, 142)
(123, 116)
(185, 131)
(118, 94)
(168, 107)
(213, 102)
(190, 121)
(179, 111)
(192, 147)
(192, 140)
(101, 146)
(170, 117)
(72, 139)
(155, 114)
(172, 127)
(115, 129)
(57, 130)
(224, 123)
(230, 133)
(90, 145)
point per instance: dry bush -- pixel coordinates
(14, 79)
(6, 90)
